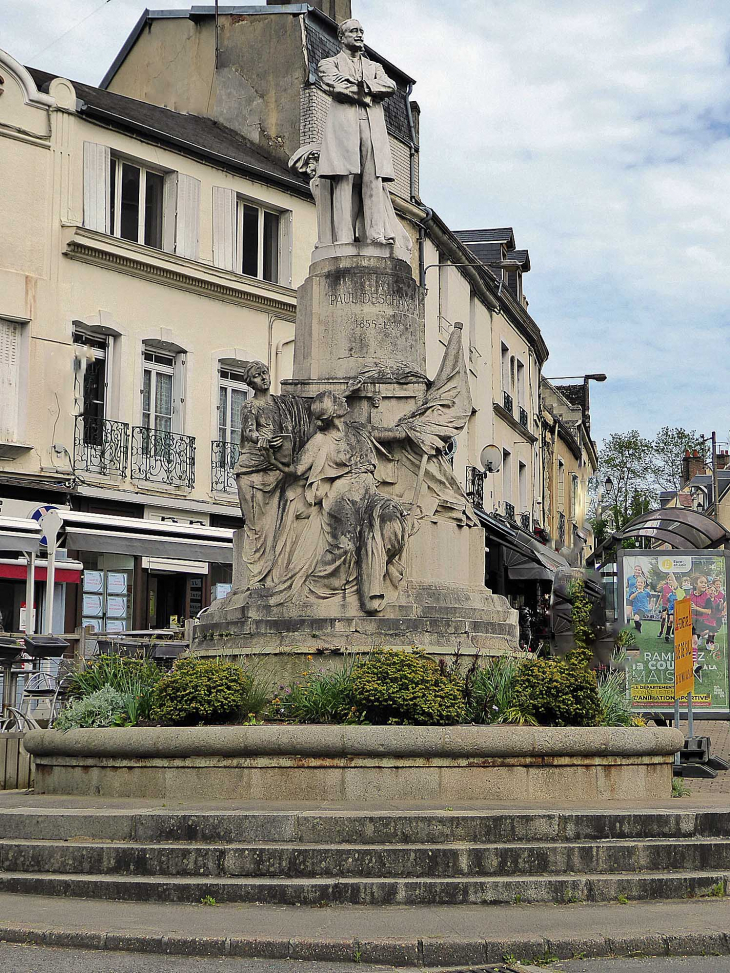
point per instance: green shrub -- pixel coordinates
(134, 679)
(201, 691)
(104, 707)
(322, 697)
(490, 690)
(407, 688)
(556, 692)
(615, 704)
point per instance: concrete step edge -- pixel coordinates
(422, 952)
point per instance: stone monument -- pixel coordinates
(357, 532)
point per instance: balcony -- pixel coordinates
(524, 418)
(509, 510)
(475, 487)
(223, 459)
(163, 457)
(525, 521)
(101, 446)
(507, 402)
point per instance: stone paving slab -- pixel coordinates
(405, 936)
(28, 800)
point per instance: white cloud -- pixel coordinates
(600, 132)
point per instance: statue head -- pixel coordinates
(257, 376)
(351, 36)
(327, 406)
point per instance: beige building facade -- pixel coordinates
(154, 244)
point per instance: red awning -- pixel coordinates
(19, 572)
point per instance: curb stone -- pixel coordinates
(399, 953)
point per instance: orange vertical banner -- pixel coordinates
(684, 677)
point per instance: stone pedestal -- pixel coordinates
(353, 311)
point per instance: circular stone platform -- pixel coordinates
(358, 763)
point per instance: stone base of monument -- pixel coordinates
(358, 763)
(438, 609)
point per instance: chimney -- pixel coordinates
(337, 10)
(692, 465)
(722, 458)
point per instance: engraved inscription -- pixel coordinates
(392, 301)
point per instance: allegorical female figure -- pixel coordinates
(268, 422)
(341, 536)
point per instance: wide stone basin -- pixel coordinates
(358, 763)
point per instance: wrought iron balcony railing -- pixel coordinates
(223, 458)
(525, 521)
(507, 402)
(475, 487)
(101, 446)
(524, 418)
(509, 510)
(165, 457)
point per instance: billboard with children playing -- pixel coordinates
(652, 582)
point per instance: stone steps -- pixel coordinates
(434, 857)
(376, 891)
(413, 861)
(361, 827)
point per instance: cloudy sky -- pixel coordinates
(599, 131)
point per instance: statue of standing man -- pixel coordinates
(355, 152)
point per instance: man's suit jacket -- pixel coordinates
(340, 155)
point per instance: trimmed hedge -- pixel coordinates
(406, 688)
(200, 691)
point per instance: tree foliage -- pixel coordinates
(640, 469)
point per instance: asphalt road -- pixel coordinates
(39, 959)
(679, 964)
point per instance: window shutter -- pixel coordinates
(181, 206)
(188, 216)
(9, 390)
(169, 212)
(224, 228)
(285, 242)
(97, 160)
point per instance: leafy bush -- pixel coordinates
(133, 679)
(103, 707)
(557, 693)
(201, 691)
(407, 688)
(323, 697)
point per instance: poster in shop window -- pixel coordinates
(116, 583)
(652, 583)
(93, 581)
(92, 606)
(116, 607)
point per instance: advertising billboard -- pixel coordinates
(652, 583)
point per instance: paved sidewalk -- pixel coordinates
(398, 935)
(719, 733)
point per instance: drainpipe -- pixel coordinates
(414, 146)
(422, 247)
(279, 349)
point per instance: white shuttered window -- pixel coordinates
(97, 197)
(128, 199)
(250, 238)
(10, 337)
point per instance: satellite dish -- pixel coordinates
(491, 459)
